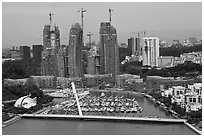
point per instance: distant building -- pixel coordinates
(93, 61)
(37, 52)
(134, 46)
(175, 42)
(195, 57)
(190, 41)
(178, 60)
(6, 53)
(164, 44)
(74, 64)
(15, 54)
(137, 50)
(123, 45)
(60, 56)
(25, 52)
(108, 50)
(165, 61)
(131, 44)
(150, 51)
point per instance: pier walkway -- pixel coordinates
(9, 101)
(84, 117)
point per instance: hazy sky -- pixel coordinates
(22, 23)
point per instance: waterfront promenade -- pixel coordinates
(142, 119)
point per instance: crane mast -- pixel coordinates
(110, 10)
(50, 14)
(82, 17)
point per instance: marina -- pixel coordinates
(96, 105)
(105, 109)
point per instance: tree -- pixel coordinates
(178, 109)
(178, 49)
(123, 52)
(18, 69)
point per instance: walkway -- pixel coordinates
(104, 118)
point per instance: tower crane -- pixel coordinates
(110, 10)
(50, 14)
(82, 17)
(82, 23)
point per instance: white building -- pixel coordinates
(197, 87)
(167, 92)
(150, 51)
(189, 97)
(26, 102)
(178, 90)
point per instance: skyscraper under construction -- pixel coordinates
(51, 54)
(109, 56)
(73, 64)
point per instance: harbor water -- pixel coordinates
(84, 127)
(72, 127)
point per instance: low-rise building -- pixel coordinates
(124, 79)
(15, 54)
(178, 60)
(189, 97)
(178, 90)
(167, 92)
(165, 61)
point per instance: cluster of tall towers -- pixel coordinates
(67, 61)
(147, 48)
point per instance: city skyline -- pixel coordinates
(167, 21)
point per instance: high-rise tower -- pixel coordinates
(131, 45)
(108, 49)
(136, 50)
(74, 52)
(51, 51)
(150, 51)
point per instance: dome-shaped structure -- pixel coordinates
(25, 102)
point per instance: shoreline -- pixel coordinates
(177, 117)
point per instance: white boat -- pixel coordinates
(112, 104)
(122, 109)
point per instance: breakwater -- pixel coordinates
(112, 118)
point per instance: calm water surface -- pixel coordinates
(71, 127)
